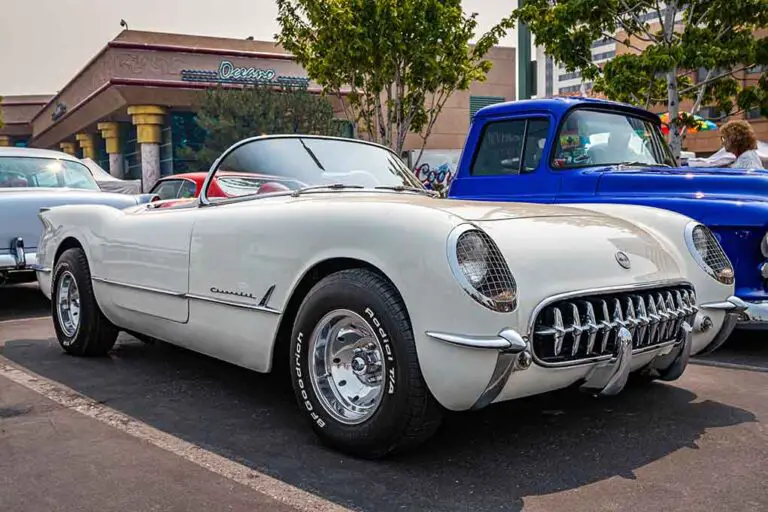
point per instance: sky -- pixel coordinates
(46, 42)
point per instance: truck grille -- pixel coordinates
(581, 328)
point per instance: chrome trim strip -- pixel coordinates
(40, 268)
(203, 298)
(506, 340)
(593, 291)
(138, 287)
(189, 296)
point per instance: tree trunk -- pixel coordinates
(673, 107)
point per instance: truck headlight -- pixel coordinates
(480, 268)
(708, 252)
(764, 245)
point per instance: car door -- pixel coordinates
(145, 262)
(508, 163)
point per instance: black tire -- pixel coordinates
(94, 335)
(407, 414)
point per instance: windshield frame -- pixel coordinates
(66, 161)
(658, 137)
(204, 200)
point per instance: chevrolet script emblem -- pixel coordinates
(623, 259)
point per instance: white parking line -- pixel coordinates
(731, 366)
(281, 491)
(21, 320)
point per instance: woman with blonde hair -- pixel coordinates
(739, 138)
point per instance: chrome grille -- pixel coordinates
(580, 328)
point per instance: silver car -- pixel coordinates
(31, 179)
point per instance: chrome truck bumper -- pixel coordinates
(754, 317)
(736, 313)
(17, 260)
(606, 377)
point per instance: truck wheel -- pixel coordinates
(354, 367)
(80, 326)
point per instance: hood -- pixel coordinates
(553, 255)
(19, 208)
(694, 182)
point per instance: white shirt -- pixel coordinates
(748, 160)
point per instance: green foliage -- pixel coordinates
(716, 35)
(400, 60)
(231, 115)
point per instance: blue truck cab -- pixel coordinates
(586, 150)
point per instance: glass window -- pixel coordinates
(44, 172)
(167, 189)
(187, 189)
(288, 163)
(503, 143)
(590, 137)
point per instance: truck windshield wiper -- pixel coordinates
(332, 186)
(404, 188)
(641, 164)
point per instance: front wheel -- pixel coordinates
(354, 367)
(80, 326)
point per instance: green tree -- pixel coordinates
(230, 115)
(713, 35)
(400, 60)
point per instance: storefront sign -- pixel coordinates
(228, 73)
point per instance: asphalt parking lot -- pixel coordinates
(155, 427)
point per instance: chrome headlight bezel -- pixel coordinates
(492, 270)
(695, 230)
(764, 245)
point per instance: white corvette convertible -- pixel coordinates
(388, 305)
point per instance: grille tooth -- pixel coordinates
(569, 331)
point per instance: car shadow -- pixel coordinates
(748, 348)
(487, 460)
(18, 301)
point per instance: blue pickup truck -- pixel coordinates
(585, 150)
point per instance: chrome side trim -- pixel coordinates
(40, 268)
(734, 309)
(189, 296)
(138, 287)
(507, 339)
(203, 298)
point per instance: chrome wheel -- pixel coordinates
(68, 304)
(346, 366)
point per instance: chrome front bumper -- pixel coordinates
(735, 310)
(606, 377)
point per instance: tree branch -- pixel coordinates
(714, 79)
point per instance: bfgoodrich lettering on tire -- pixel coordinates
(354, 367)
(80, 326)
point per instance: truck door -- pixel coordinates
(505, 160)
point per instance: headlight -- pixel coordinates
(708, 253)
(480, 269)
(764, 246)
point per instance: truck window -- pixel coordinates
(510, 147)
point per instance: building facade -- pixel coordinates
(132, 107)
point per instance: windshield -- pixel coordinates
(284, 164)
(590, 137)
(25, 172)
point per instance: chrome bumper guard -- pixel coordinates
(605, 378)
(18, 258)
(735, 311)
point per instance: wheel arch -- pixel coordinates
(310, 278)
(69, 242)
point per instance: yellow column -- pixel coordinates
(88, 144)
(110, 132)
(149, 121)
(69, 148)
(5, 141)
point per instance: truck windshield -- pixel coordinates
(25, 172)
(591, 137)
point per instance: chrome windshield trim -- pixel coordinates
(138, 287)
(255, 307)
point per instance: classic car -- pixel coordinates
(31, 179)
(226, 184)
(586, 150)
(385, 304)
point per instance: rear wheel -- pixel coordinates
(354, 367)
(80, 326)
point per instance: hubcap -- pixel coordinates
(68, 304)
(346, 366)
